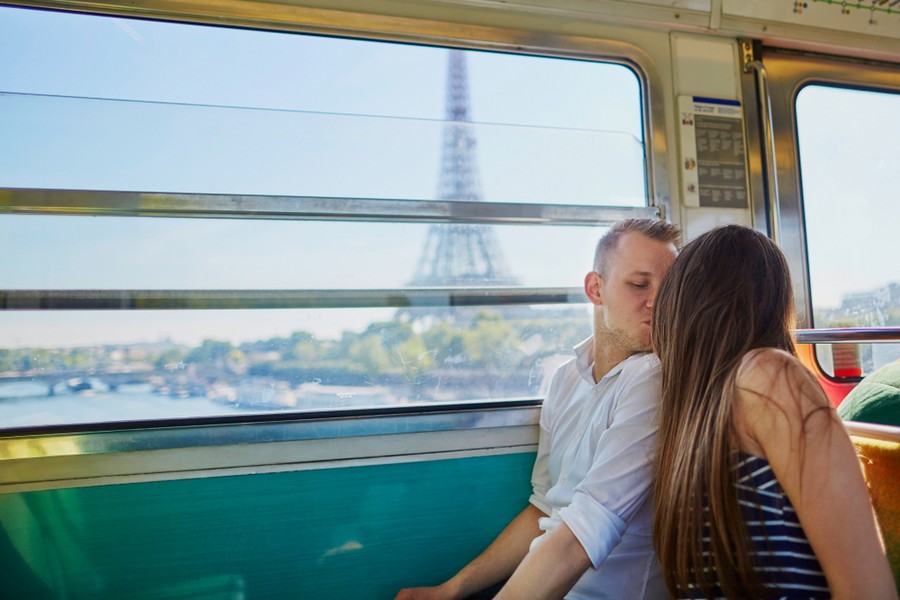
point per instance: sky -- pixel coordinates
(848, 157)
(117, 104)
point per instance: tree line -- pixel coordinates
(486, 344)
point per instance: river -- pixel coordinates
(24, 404)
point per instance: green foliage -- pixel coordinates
(369, 353)
(412, 358)
(391, 333)
(30, 359)
(482, 350)
(306, 351)
(209, 352)
(167, 358)
(446, 347)
(490, 342)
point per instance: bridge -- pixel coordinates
(112, 377)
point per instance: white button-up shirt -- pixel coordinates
(593, 471)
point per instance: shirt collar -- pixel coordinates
(584, 362)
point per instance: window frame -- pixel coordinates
(787, 73)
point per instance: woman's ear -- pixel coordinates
(593, 287)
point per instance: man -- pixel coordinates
(588, 523)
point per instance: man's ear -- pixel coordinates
(593, 288)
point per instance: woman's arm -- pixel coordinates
(550, 570)
(783, 415)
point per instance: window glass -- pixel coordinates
(847, 140)
(73, 367)
(76, 252)
(113, 104)
(100, 103)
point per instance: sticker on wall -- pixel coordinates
(713, 166)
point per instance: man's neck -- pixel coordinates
(606, 356)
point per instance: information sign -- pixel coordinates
(713, 166)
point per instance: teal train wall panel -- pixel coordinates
(360, 532)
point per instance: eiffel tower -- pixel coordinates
(460, 255)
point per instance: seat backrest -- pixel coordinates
(879, 451)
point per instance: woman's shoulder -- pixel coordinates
(773, 388)
(772, 372)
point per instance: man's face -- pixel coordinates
(625, 295)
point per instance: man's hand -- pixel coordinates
(492, 566)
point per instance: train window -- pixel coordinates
(201, 221)
(846, 147)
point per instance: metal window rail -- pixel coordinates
(168, 433)
(317, 208)
(848, 335)
(261, 299)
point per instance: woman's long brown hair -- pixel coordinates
(728, 292)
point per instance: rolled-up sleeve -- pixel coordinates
(618, 481)
(540, 474)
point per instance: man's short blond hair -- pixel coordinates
(654, 229)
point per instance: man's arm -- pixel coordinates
(549, 571)
(615, 487)
(501, 558)
(492, 566)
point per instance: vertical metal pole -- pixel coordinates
(751, 64)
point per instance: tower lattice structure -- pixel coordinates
(459, 254)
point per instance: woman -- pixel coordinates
(759, 493)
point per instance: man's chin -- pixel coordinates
(643, 344)
(631, 344)
(640, 348)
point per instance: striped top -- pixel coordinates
(785, 561)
